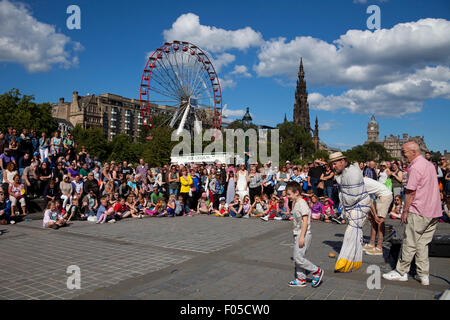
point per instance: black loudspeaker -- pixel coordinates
(440, 246)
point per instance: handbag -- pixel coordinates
(321, 185)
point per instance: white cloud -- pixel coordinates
(187, 27)
(393, 99)
(227, 83)
(389, 72)
(232, 113)
(34, 44)
(222, 60)
(242, 71)
(360, 59)
(332, 124)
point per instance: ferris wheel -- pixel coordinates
(180, 77)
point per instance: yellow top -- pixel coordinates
(185, 184)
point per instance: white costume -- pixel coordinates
(356, 204)
(241, 187)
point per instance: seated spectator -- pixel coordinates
(51, 192)
(91, 185)
(222, 210)
(235, 208)
(179, 207)
(17, 193)
(155, 197)
(124, 189)
(84, 171)
(316, 208)
(10, 173)
(105, 212)
(246, 205)
(5, 209)
(77, 185)
(258, 208)
(45, 174)
(24, 162)
(90, 204)
(121, 209)
(204, 205)
(397, 208)
(30, 177)
(73, 210)
(445, 205)
(327, 210)
(53, 217)
(171, 205)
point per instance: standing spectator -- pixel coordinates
(82, 155)
(421, 212)
(369, 171)
(328, 179)
(14, 147)
(231, 187)
(142, 168)
(314, 176)
(185, 191)
(397, 179)
(255, 184)
(69, 145)
(34, 141)
(55, 145)
(283, 178)
(242, 180)
(44, 144)
(3, 142)
(174, 180)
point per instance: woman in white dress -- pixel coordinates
(242, 180)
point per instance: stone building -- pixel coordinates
(113, 113)
(301, 112)
(392, 144)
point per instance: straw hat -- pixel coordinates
(335, 156)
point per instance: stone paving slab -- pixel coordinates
(200, 257)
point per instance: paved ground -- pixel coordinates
(198, 257)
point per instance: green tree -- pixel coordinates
(94, 140)
(157, 151)
(367, 152)
(295, 143)
(19, 111)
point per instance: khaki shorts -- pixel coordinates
(382, 205)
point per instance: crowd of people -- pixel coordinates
(76, 186)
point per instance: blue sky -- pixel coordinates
(401, 72)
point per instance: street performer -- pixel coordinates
(356, 205)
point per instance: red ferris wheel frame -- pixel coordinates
(201, 57)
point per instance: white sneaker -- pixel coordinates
(424, 280)
(12, 222)
(112, 221)
(246, 216)
(277, 218)
(394, 275)
(265, 218)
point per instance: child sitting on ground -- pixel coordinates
(246, 207)
(258, 208)
(171, 205)
(327, 209)
(397, 208)
(204, 206)
(72, 211)
(105, 211)
(53, 217)
(179, 206)
(235, 207)
(223, 208)
(273, 209)
(316, 208)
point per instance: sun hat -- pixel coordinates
(335, 156)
